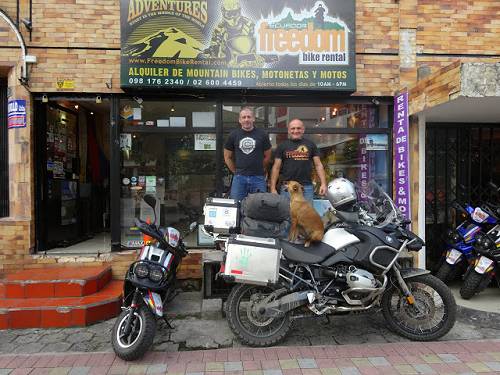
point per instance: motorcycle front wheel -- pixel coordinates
(448, 272)
(245, 321)
(430, 317)
(474, 283)
(133, 345)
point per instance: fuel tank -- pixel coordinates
(339, 238)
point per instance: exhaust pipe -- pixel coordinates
(286, 303)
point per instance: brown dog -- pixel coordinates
(305, 219)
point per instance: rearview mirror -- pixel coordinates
(150, 200)
(193, 226)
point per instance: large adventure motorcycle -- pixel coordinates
(149, 285)
(355, 268)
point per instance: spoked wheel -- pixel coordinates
(432, 314)
(247, 321)
(132, 345)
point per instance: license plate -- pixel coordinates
(453, 256)
(483, 264)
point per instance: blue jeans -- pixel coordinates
(308, 192)
(244, 185)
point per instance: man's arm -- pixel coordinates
(320, 171)
(228, 159)
(267, 159)
(275, 172)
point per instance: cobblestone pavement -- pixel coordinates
(452, 357)
(194, 333)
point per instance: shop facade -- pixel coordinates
(123, 99)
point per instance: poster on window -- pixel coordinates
(262, 44)
(204, 142)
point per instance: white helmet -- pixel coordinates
(341, 192)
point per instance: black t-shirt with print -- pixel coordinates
(248, 149)
(297, 160)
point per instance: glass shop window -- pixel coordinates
(315, 118)
(357, 157)
(178, 167)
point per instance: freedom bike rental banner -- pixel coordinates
(257, 44)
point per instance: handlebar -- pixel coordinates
(149, 229)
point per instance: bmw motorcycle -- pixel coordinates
(149, 285)
(355, 268)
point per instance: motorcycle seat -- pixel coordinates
(315, 253)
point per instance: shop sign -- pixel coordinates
(16, 114)
(259, 44)
(401, 154)
(204, 142)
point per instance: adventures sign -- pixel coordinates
(260, 44)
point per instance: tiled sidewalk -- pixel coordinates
(451, 357)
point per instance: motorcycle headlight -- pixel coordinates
(156, 274)
(483, 242)
(141, 270)
(453, 236)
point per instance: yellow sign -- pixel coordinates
(65, 84)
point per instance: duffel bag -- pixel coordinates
(266, 206)
(262, 228)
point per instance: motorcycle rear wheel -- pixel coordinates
(140, 339)
(246, 324)
(431, 316)
(473, 284)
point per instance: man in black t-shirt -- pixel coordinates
(247, 153)
(294, 160)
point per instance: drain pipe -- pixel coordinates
(26, 58)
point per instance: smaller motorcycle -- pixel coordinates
(459, 241)
(486, 266)
(149, 285)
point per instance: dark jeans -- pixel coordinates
(244, 185)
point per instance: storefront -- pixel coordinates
(159, 87)
(183, 98)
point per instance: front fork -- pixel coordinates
(133, 308)
(404, 288)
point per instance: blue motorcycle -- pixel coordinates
(459, 252)
(486, 266)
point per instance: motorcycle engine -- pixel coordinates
(360, 279)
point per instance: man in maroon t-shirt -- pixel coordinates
(294, 160)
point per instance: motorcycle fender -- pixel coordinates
(154, 302)
(408, 273)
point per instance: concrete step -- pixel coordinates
(54, 282)
(63, 311)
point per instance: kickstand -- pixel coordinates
(326, 321)
(167, 322)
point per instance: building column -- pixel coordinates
(407, 43)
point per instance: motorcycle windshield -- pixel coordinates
(378, 205)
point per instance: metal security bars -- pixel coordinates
(4, 152)
(461, 160)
